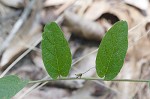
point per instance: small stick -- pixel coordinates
(64, 7)
(17, 26)
(79, 75)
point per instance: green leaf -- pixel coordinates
(112, 51)
(56, 53)
(11, 85)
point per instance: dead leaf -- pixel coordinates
(25, 38)
(96, 9)
(14, 3)
(141, 4)
(84, 28)
(48, 3)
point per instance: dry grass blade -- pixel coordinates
(17, 26)
(20, 57)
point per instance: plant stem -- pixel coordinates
(83, 78)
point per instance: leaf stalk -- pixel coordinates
(84, 78)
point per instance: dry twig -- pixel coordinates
(17, 26)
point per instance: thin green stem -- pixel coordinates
(83, 78)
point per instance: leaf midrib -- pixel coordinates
(55, 50)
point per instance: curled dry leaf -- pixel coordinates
(82, 6)
(141, 4)
(84, 28)
(96, 10)
(14, 3)
(112, 10)
(147, 26)
(48, 3)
